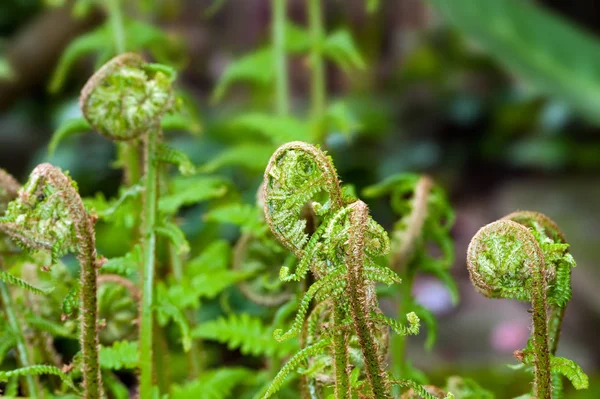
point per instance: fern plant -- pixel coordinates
(525, 256)
(341, 252)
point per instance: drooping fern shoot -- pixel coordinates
(524, 256)
(48, 214)
(8, 192)
(125, 100)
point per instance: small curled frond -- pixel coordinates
(38, 370)
(414, 323)
(127, 97)
(175, 157)
(45, 213)
(501, 259)
(294, 363)
(298, 174)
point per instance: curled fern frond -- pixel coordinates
(127, 97)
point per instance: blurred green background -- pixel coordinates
(499, 100)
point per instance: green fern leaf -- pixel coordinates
(121, 355)
(340, 47)
(191, 190)
(278, 129)
(177, 158)
(246, 333)
(255, 67)
(38, 370)
(251, 156)
(12, 280)
(126, 265)
(174, 234)
(571, 370)
(213, 384)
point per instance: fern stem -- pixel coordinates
(149, 245)
(342, 383)
(543, 379)
(279, 55)
(357, 297)
(22, 352)
(318, 89)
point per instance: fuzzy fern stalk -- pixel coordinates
(341, 254)
(524, 256)
(9, 188)
(48, 214)
(126, 100)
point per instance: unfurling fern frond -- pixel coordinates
(127, 97)
(175, 157)
(246, 333)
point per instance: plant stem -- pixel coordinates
(357, 297)
(318, 90)
(279, 55)
(541, 353)
(15, 326)
(149, 245)
(342, 383)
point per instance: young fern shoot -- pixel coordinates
(525, 256)
(342, 255)
(125, 101)
(48, 214)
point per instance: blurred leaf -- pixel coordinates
(244, 215)
(278, 129)
(253, 157)
(67, 129)
(174, 234)
(255, 67)
(212, 384)
(189, 191)
(556, 57)
(339, 118)
(6, 71)
(340, 47)
(121, 355)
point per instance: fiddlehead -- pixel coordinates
(342, 254)
(48, 214)
(523, 256)
(127, 97)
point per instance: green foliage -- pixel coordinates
(214, 384)
(571, 370)
(38, 370)
(10, 279)
(246, 333)
(564, 61)
(121, 355)
(191, 190)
